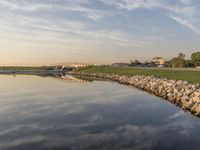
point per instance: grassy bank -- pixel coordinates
(191, 76)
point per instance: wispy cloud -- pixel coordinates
(80, 6)
(186, 2)
(185, 23)
(89, 25)
(25, 6)
(182, 12)
(151, 4)
(133, 4)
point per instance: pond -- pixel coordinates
(72, 114)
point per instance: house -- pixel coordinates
(159, 61)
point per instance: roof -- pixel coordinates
(158, 58)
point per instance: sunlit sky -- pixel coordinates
(42, 32)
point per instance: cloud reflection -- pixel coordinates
(97, 115)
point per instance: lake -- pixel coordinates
(51, 113)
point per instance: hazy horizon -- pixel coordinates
(38, 32)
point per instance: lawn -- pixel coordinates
(191, 76)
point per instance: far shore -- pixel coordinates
(32, 70)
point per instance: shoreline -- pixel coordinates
(181, 93)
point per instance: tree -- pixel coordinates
(135, 63)
(181, 55)
(195, 58)
(189, 63)
(178, 62)
(167, 64)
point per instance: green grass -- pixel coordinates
(191, 76)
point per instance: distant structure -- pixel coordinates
(159, 61)
(69, 65)
(74, 64)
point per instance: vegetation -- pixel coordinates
(135, 63)
(189, 63)
(191, 76)
(176, 62)
(179, 62)
(195, 59)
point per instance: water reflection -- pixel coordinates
(63, 77)
(41, 113)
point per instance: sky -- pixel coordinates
(45, 32)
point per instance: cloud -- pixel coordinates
(133, 4)
(72, 31)
(80, 6)
(45, 26)
(95, 16)
(185, 23)
(150, 4)
(186, 2)
(22, 5)
(88, 25)
(183, 11)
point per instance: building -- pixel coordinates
(159, 61)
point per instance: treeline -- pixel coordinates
(180, 61)
(177, 62)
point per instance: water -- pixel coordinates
(47, 113)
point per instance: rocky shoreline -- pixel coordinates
(181, 93)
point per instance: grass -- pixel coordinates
(191, 76)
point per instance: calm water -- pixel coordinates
(47, 113)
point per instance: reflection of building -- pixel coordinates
(159, 61)
(69, 79)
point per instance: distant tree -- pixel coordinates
(195, 58)
(178, 62)
(189, 63)
(167, 64)
(181, 55)
(135, 63)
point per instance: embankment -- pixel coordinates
(181, 93)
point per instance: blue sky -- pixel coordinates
(34, 32)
